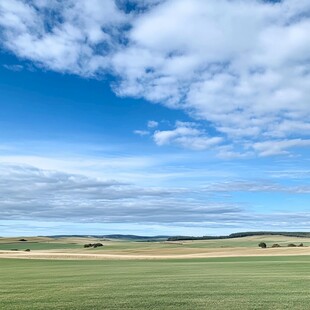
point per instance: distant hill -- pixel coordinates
(135, 237)
(116, 236)
(244, 234)
(179, 238)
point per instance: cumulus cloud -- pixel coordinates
(67, 36)
(242, 66)
(152, 124)
(224, 61)
(186, 135)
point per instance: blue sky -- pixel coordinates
(154, 117)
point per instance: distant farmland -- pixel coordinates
(73, 247)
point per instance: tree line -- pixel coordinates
(242, 234)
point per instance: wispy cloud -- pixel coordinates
(247, 186)
(32, 193)
(15, 68)
(142, 132)
(276, 147)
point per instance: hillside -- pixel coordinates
(243, 234)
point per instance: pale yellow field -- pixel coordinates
(236, 252)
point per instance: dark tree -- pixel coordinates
(95, 245)
(291, 245)
(263, 245)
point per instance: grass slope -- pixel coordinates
(222, 283)
(38, 246)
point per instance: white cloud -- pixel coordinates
(36, 194)
(255, 186)
(15, 68)
(241, 65)
(141, 132)
(268, 148)
(286, 127)
(152, 124)
(186, 135)
(69, 36)
(54, 192)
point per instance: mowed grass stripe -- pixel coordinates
(223, 283)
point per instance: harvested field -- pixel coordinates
(159, 254)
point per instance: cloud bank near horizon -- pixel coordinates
(33, 194)
(240, 67)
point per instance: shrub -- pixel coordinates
(291, 245)
(22, 240)
(95, 245)
(27, 250)
(301, 244)
(263, 245)
(276, 245)
(92, 245)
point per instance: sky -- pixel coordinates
(154, 117)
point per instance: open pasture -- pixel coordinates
(213, 283)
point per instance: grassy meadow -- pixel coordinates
(99, 282)
(213, 283)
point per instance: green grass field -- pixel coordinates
(219, 283)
